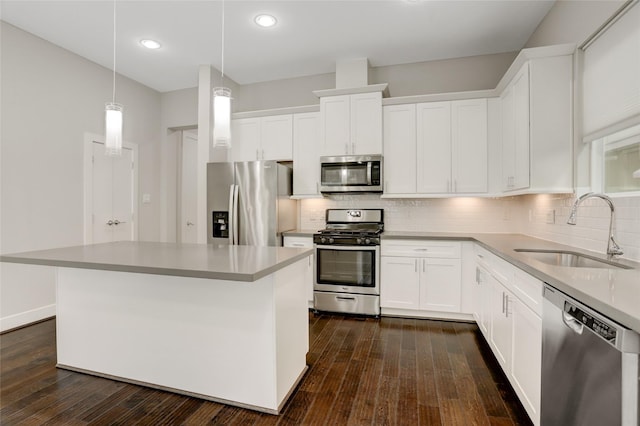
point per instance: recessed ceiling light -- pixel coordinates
(150, 44)
(266, 21)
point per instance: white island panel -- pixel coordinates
(240, 343)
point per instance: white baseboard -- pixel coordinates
(27, 317)
(410, 313)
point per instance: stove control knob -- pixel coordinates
(331, 240)
(367, 241)
(359, 241)
(323, 240)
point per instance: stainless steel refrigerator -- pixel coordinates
(248, 203)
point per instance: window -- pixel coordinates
(616, 163)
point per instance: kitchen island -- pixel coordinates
(223, 323)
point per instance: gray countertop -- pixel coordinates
(613, 292)
(235, 263)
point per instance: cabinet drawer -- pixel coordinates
(529, 290)
(421, 248)
(503, 271)
(483, 256)
(298, 241)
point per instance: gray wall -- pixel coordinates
(451, 75)
(572, 21)
(50, 98)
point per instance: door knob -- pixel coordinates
(190, 223)
(110, 222)
(117, 222)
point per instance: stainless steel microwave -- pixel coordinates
(351, 173)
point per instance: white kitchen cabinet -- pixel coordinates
(296, 241)
(469, 141)
(508, 309)
(526, 359)
(501, 328)
(440, 150)
(434, 147)
(306, 154)
(481, 294)
(537, 127)
(419, 275)
(262, 138)
(440, 285)
(400, 165)
(245, 142)
(400, 282)
(351, 124)
(515, 132)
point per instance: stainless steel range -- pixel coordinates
(347, 268)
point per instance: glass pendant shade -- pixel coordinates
(113, 126)
(221, 117)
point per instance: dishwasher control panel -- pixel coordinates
(601, 328)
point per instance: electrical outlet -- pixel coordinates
(551, 216)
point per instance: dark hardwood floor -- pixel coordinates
(390, 371)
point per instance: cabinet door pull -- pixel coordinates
(506, 305)
(415, 265)
(423, 265)
(503, 302)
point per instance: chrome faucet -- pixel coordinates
(613, 249)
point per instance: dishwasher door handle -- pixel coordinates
(575, 325)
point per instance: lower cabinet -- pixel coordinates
(480, 299)
(420, 276)
(296, 241)
(526, 357)
(507, 307)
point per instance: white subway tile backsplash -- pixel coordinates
(523, 214)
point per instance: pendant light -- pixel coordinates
(113, 110)
(222, 105)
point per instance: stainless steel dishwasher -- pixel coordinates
(589, 366)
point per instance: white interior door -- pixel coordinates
(188, 188)
(112, 195)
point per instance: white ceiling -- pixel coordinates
(310, 36)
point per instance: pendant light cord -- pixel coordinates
(222, 61)
(114, 52)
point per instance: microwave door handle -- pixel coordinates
(369, 167)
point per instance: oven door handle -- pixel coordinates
(347, 248)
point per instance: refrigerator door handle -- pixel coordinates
(231, 214)
(235, 215)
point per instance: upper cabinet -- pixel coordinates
(400, 165)
(263, 138)
(351, 124)
(469, 146)
(306, 154)
(515, 132)
(537, 125)
(435, 148)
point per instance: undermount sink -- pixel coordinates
(569, 259)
